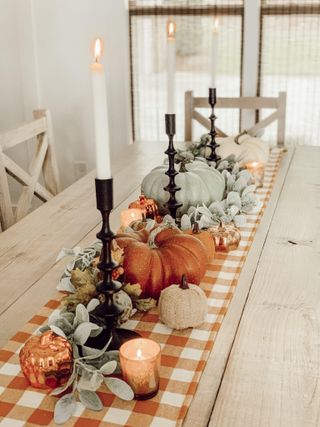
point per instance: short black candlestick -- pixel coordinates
(172, 188)
(213, 145)
(108, 311)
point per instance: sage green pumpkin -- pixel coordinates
(199, 184)
(245, 147)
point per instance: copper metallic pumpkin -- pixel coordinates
(226, 237)
(46, 360)
(158, 258)
(149, 207)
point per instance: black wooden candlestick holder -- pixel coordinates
(172, 188)
(108, 311)
(213, 145)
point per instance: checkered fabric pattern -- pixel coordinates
(183, 358)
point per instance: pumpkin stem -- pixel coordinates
(237, 138)
(184, 283)
(183, 166)
(154, 232)
(195, 228)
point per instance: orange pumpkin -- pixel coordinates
(158, 258)
(205, 237)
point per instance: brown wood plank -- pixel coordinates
(272, 375)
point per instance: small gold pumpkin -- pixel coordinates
(183, 306)
(226, 237)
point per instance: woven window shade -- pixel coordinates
(194, 22)
(290, 61)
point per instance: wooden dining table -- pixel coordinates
(264, 368)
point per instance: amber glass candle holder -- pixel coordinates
(257, 171)
(127, 216)
(140, 365)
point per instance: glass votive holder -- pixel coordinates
(140, 365)
(257, 171)
(129, 215)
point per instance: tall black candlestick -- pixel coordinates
(172, 188)
(107, 312)
(213, 145)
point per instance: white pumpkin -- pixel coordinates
(244, 146)
(183, 306)
(199, 184)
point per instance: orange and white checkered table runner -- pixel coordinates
(183, 358)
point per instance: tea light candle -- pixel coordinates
(140, 365)
(129, 215)
(257, 171)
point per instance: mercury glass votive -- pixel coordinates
(129, 215)
(257, 171)
(140, 365)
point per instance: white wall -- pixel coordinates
(11, 100)
(11, 86)
(55, 38)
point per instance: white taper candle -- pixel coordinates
(171, 66)
(214, 53)
(101, 127)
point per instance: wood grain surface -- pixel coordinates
(272, 375)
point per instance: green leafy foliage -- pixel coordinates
(90, 370)
(239, 200)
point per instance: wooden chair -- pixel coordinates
(243, 103)
(43, 160)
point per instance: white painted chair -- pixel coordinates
(43, 160)
(192, 104)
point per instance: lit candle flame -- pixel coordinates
(97, 49)
(255, 164)
(139, 353)
(216, 25)
(171, 29)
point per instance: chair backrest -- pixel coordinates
(43, 160)
(243, 103)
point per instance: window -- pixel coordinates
(290, 61)
(289, 55)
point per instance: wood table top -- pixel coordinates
(264, 367)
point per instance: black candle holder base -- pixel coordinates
(119, 336)
(146, 396)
